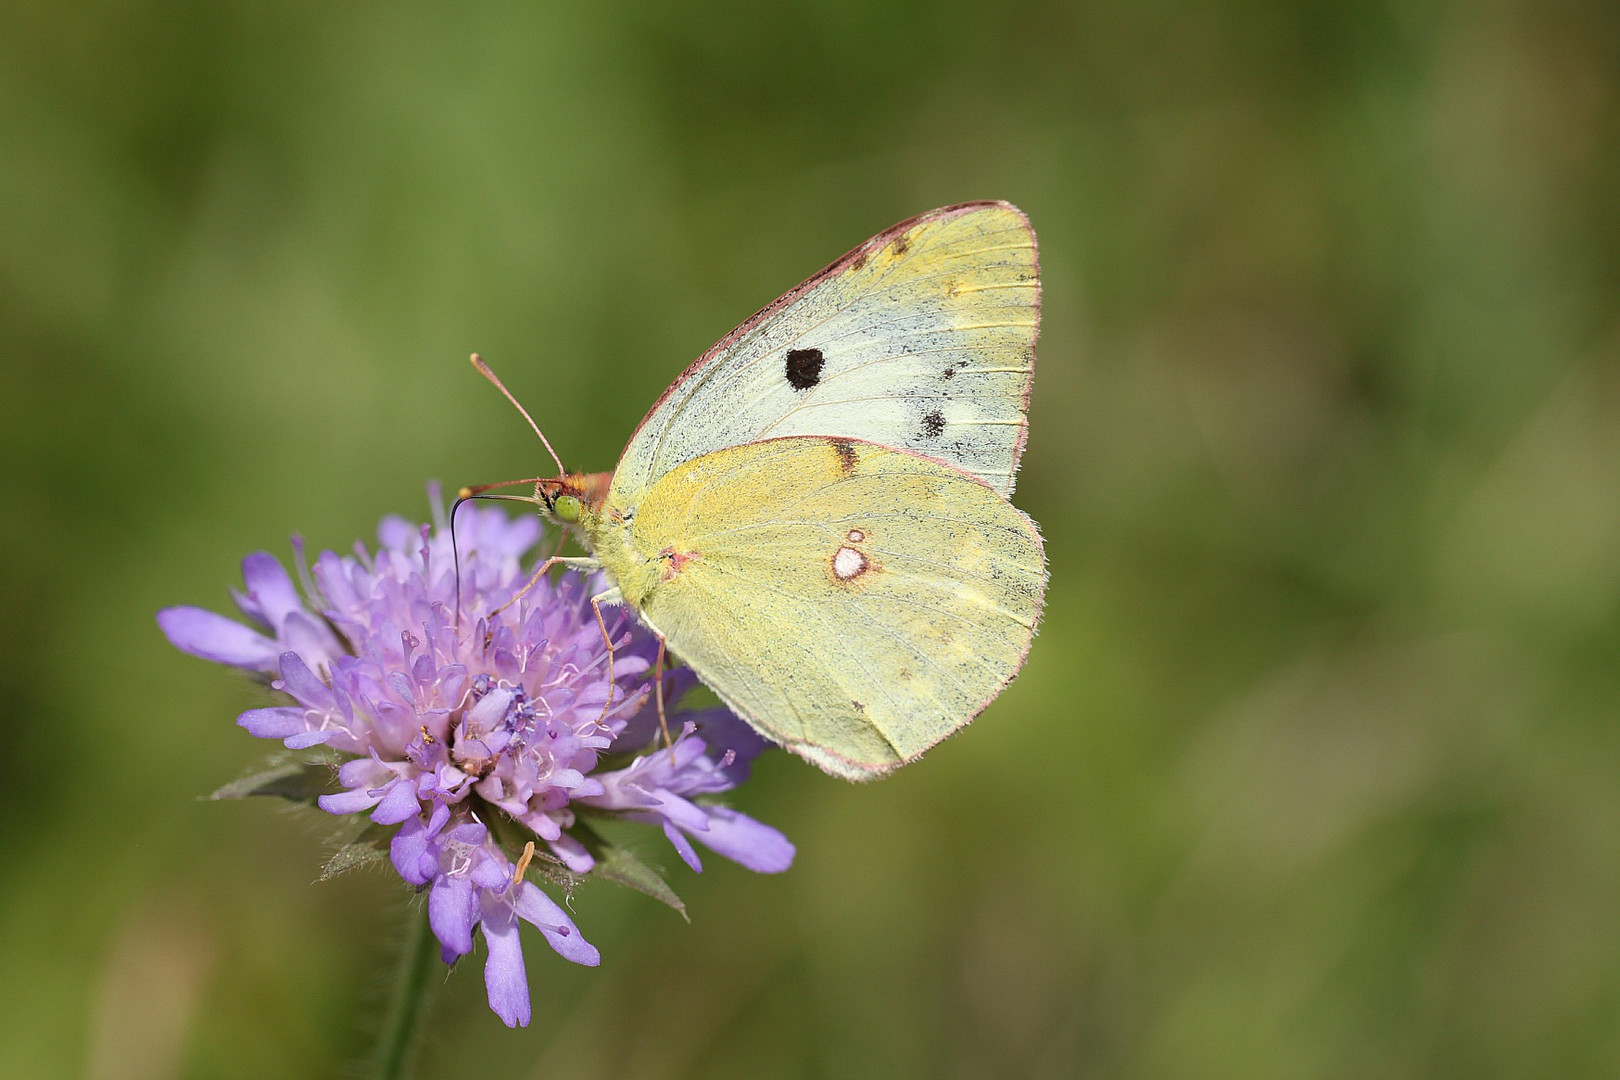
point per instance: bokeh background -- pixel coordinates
(1315, 768)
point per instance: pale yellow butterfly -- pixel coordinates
(814, 516)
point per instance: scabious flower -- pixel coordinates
(482, 735)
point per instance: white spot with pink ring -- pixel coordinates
(848, 564)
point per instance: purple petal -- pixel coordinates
(303, 684)
(501, 537)
(630, 665)
(687, 815)
(559, 930)
(334, 582)
(398, 803)
(567, 778)
(276, 723)
(493, 874)
(413, 852)
(573, 854)
(452, 913)
(348, 802)
(307, 637)
(489, 711)
(395, 532)
(683, 847)
(544, 826)
(311, 738)
(504, 977)
(214, 637)
(400, 683)
(270, 589)
(745, 841)
(621, 792)
(470, 833)
(364, 772)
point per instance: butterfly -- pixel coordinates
(815, 517)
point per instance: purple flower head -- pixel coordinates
(483, 740)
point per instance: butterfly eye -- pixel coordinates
(567, 508)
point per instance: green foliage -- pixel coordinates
(295, 781)
(618, 864)
(366, 847)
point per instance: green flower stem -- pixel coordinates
(407, 1004)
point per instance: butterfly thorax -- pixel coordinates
(579, 502)
(637, 573)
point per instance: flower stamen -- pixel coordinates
(523, 864)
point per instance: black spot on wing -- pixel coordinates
(933, 423)
(804, 368)
(950, 373)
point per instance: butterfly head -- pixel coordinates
(570, 500)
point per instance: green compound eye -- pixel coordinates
(566, 508)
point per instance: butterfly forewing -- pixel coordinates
(856, 603)
(923, 338)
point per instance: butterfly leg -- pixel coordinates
(658, 692)
(612, 596)
(536, 576)
(601, 624)
(581, 561)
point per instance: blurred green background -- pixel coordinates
(1315, 768)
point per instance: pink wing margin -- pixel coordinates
(836, 267)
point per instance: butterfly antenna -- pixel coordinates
(478, 489)
(484, 370)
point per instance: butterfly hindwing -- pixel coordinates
(922, 338)
(856, 603)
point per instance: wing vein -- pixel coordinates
(893, 635)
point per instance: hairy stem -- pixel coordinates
(407, 1003)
